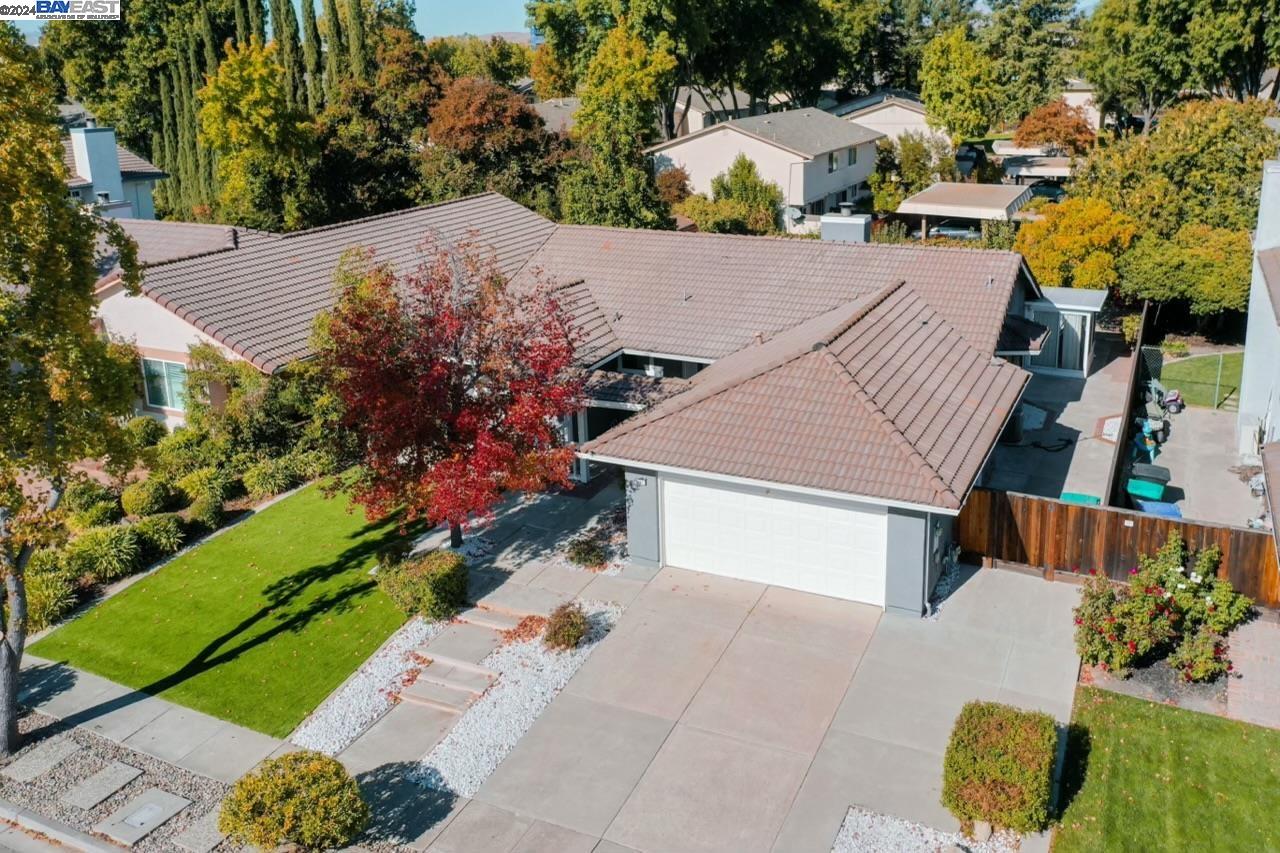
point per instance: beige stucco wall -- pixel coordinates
(893, 120)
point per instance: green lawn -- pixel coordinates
(1197, 377)
(1160, 778)
(255, 626)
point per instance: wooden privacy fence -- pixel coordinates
(1056, 536)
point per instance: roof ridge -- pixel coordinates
(391, 214)
(865, 305)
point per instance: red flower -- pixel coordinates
(1111, 637)
(1133, 571)
(1079, 620)
(1133, 647)
(1230, 667)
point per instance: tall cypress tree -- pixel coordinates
(242, 23)
(186, 134)
(311, 55)
(357, 57)
(335, 53)
(257, 20)
(291, 51)
(208, 41)
(169, 143)
(202, 192)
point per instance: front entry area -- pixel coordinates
(778, 538)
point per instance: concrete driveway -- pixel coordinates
(722, 715)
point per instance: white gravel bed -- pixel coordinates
(43, 794)
(367, 694)
(529, 677)
(611, 530)
(866, 831)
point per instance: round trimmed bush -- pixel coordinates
(566, 626)
(181, 452)
(434, 585)
(304, 798)
(147, 497)
(82, 493)
(145, 432)
(94, 516)
(159, 535)
(104, 553)
(269, 477)
(206, 512)
(206, 481)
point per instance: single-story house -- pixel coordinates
(893, 112)
(110, 176)
(557, 113)
(1258, 421)
(816, 159)
(806, 413)
(695, 110)
(1033, 167)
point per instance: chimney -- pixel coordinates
(97, 162)
(846, 226)
(846, 208)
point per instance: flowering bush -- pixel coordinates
(1165, 609)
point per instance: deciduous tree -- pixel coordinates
(958, 86)
(1135, 53)
(1030, 41)
(65, 388)
(1056, 124)
(1208, 268)
(455, 380)
(1077, 243)
(907, 165)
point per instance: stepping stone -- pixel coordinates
(201, 836)
(41, 760)
(490, 619)
(467, 678)
(101, 785)
(438, 696)
(141, 816)
(523, 601)
(462, 642)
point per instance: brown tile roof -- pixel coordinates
(1269, 262)
(709, 295)
(1020, 335)
(159, 242)
(261, 299)
(880, 397)
(631, 389)
(132, 167)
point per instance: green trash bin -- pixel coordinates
(1145, 490)
(1078, 498)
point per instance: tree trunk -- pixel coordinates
(12, 643)
(455, 536)
(9, 663)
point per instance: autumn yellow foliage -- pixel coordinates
(1077, 243)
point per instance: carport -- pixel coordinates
(983, 202)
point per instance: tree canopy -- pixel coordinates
(1077, 243)
(1059, 125)
(958, 86)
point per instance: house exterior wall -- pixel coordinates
(94, 149)
(821, 185)
(893, 120)
(1083, 98)
(644, 526)
(139, 196)
(1260, 379)
(707, 155)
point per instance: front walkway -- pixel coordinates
(1254, 696)
(722, 715)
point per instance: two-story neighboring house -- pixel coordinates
(817, 159)
(103, 173)
(893, 112)
(1258, 422)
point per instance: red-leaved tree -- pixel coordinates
(455, 382)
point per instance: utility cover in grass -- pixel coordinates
(256, 626)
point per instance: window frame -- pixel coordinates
(833, 161)
(853, 156)
(168, 388)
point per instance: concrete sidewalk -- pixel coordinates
(191, 740)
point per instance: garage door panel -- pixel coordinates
(775, 538)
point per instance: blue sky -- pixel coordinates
(449, 17)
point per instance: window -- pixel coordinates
(165, 383)
(853, 156)
(833, 161)
(104, 198)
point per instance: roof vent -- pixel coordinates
(991, 281)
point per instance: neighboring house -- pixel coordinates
(892, 112)
(1080, 93)
(695, 111)
(805, 413)
(557, 113)
(1258, 422)
(110, 176)
(816, 159)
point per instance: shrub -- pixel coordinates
(104, 553)
(159, 535)
(1175, 348)
(206, 513)
(181, 452)
(1164, 606)
(311, 464)
(566, 627)
(1201, 656)
(82, 493)
(203, 481)
(304, 798)
(94, 516)
(434, 585)
(587, 551)
(1130, 324)
(147, 497)
(51, 589)
(145, 431)
(393, 553)
(999, 766)
(269, 477)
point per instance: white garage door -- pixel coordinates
(776, 538)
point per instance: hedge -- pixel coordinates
(434, 586)
(999, 766)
